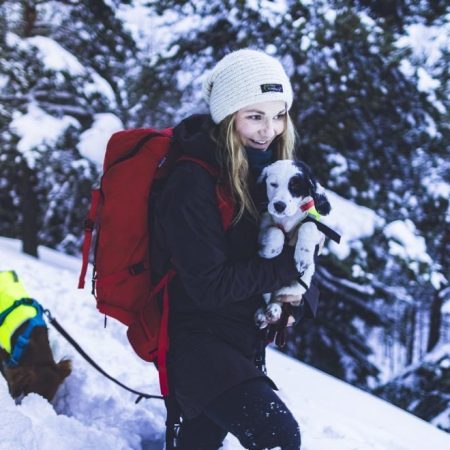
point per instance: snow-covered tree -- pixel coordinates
(423, 388)
(49, 99)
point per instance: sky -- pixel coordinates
(90, 412)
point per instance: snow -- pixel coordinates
(89, 412)
(428, 44)
(404, 241)
(56, 57)
(436, 187)
(446, 307)
(93, 142)
(154, 33)
(36, 128)
(363, 223)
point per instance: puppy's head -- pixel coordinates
(37, 370)
(290, 185)
(41, 379)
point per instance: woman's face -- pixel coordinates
(259, 124)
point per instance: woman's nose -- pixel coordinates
(268, 128)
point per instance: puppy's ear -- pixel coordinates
(3, 355)
(321, 201)
(262, 176)
(316, 191)
(20, 379)
(64, 368)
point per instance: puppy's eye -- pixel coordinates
(275, 185)
(298, 186)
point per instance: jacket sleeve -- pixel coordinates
(194, 234)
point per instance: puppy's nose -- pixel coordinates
(279, 206)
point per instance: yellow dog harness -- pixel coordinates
(16, 307)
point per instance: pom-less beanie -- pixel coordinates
(243, 78)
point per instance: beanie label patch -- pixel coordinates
(271, 87)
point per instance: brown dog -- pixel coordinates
(36, 370)
(26, 359)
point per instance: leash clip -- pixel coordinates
(48, 314)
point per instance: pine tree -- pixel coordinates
(37, 193)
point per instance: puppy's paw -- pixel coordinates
(273, 312)
(294, 289)
(303, 265)
(303, 256)
(261, 319)
(271, 241)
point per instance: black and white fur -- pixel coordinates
(290, 184)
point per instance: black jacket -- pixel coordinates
(219, 282)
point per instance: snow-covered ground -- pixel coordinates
(90, 412)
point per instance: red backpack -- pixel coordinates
(119, 214)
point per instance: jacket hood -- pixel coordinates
(191, 137)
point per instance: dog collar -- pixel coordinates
(310, 208)
(308, 205)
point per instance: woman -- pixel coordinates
(220, 279)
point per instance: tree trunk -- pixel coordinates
(411, 334)
(29, 18)
(435, 320)
(30, 211)
(434, 334)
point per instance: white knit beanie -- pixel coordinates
(243, 78)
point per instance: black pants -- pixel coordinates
(250, 411)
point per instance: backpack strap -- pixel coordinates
(163, 342)
(89, 226)
(326, 230)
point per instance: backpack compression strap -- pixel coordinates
(89, 226)
(163, 341)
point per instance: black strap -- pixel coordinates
(260, 357)
(173, 422)
(327, 231)
(299, 279)
(77, 347)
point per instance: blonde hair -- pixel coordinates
(233, 163)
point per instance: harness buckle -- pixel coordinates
(89, 225)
